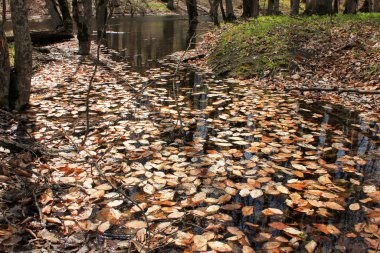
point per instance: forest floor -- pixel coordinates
(180, 160)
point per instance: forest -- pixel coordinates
(190, 126)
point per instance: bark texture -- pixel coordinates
(192, 10)
(214, 11)
(230, 16)
(351, 7)
(4, 66)
(55, 16)
(66, 16)
(82, 12)
(295, 8)
(320, 7)
(250, 8)
(101, 17)
(21, 81)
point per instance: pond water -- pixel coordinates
(143, 40)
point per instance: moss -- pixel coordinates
(158, 7)
(269, 43)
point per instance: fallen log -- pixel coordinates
(335, 89)
(32, 147)
(44, 38)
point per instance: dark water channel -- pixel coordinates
(143, 40)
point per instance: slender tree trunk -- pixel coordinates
(323, 7)
(21, 82)
(365, 6)
(230, 16)
(4, 63)
(295, 7)
(256, 8)
(276, 7)
(170, 5)
(82, 12)
(222, 11)
(214, 11)
(336, 6)
(320, 7)
(66, 16)
(310, 6)
(55, 16)
(192, 10)
(376, 5)
(351, 6)
(270, 9)
(101, 17)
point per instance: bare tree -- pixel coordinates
(295, 8)
(273, 7)
(214, 11)
(192, 10)
(4, 63)
(82, 13)
(170, 5)
(53, 10)
(60, 14)
(230, 16)
(351, 6)
(250, 8)
(101, 16)
(66, 16)
(320, 7)
(21, 81)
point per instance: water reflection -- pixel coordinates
(144, 40)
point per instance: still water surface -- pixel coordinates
(145, 39)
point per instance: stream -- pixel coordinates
(287, 172)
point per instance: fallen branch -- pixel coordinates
(335, 89)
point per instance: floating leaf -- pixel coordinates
(219, 246)
(272, 211)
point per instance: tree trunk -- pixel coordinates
(270, 8)
(101, 17)
(66, 16)
(192, 11)
(250, 8)
(310, 6)
(276, 7)
(351, 7)
(230, 16)
(55, 16)
(320, 7)
(170, 5)
(222, 10)
(4, 64)
(82, 12)
(21, 82)
(295, 7)
(214, 11)
(323, 7)
(336, 6)
(365, 6)
(376, 5)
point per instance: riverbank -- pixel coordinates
(182, 160)
(305, 53)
